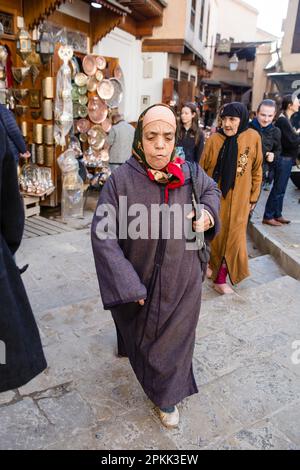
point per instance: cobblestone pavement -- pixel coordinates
(249, 387)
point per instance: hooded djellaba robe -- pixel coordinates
(21, 354)
(231, 242)
(159, 337)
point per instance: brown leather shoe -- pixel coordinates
(283, 221)
(272, 222)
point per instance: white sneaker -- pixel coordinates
(169, 420)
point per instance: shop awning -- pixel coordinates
(234, 84)
(210, 82)
(286, 82)
(102, 21)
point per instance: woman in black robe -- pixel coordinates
(21, 354)
(152, 284)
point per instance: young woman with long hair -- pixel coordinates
(191, 138)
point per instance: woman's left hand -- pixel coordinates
(201, 225)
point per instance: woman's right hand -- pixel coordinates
(25, 155)
(141, 302)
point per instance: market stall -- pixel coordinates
(62, 97)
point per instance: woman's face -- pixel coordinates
(158, 144)
(266, 115)
(295, 106)
(187, 115)
(230, 125)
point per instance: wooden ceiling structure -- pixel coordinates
(137, 17)
(102, 21)
(145, 15)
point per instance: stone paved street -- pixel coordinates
(249, 388)
(282, 242)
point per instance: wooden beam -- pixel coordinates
(8, 5)
(102, 22)
(188, 57)
(174, 46)
(70, 22)
(35, 11)
(148, 8)
(140, 29)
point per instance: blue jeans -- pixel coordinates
(282, 173)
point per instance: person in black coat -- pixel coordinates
(290, 142)
(296, 120)
(21, 354)
(191, 138)
(270, 136)
(15, 139)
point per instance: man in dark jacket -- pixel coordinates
(271, 139)
(15, 139)
(21, 354)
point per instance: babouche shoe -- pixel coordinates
(223, 289)
(169, 419)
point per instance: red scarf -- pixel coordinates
(172, 176)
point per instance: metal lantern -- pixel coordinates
(45, 46)
(233, 63)
(23, 44)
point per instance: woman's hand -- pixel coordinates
(141, 302)
(25, 155)
(201, 225)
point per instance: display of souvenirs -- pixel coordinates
(94, 96)
(72, 186)
(98, 180)
(35, 180)
(77, 99)
(20, 73)
(63, 104)
(92, 158)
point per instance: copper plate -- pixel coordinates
(97, 130)
(100, 62)
(82, 90)
(118, 72)
(83, 99)
(104, 155)
(97, 110)
(83, 138)
(106, 125)
(83, 125)
(75, 94)
(99, 75)
(105, 89)
(75, 110)
(82, 111)
(89, 65)
(117, 96)
(81, 79)
(92, 84)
